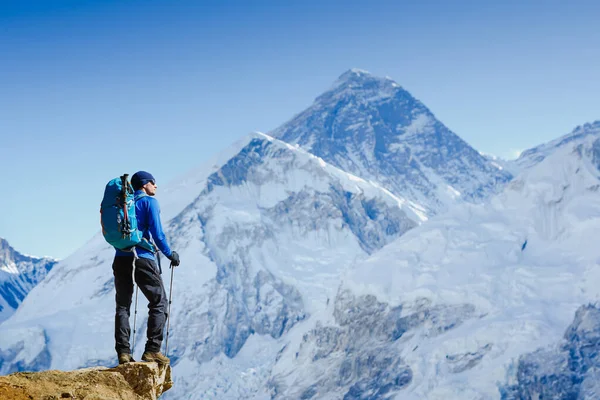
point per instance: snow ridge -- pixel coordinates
(530, 157)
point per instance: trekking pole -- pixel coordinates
(135, 317)
(136, 299)
(169, 311)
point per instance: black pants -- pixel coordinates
(150, 283)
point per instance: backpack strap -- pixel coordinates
(139, 196)
(145, 243)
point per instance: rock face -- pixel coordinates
(358, 355)
(18, 275)
(570, 371)
(133, 381)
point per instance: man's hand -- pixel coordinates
(174, 257)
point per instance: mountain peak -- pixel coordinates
(374, 129)
(358, 75)
(19, 273)
(355, 73)
(535, 155)
(358, 82)
(5, 247)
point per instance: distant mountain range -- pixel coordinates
(537, 154)
(18, 275)
(360, 251)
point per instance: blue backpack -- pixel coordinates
(117, 216)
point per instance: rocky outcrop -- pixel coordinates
(569, 371)
(359, 355)
(133, 381)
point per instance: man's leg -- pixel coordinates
(122, 268)
(151, 284)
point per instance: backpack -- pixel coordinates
(117, 216)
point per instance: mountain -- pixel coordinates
(567, 370)
(263, 245)
(303, 280)
(458, 307)
(374, 129)
(18, 275)
(530, 157)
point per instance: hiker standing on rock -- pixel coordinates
(147, 275)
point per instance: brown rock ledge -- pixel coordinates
(133, 381)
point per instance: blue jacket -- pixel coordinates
(147, 212)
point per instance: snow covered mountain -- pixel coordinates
(535, 155)
(374, 129)
(263, 245)
(302, 280)
(18, 275)
(472, 304)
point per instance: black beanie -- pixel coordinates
(140, 178)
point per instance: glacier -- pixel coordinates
(462, 299)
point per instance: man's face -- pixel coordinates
(150, 188)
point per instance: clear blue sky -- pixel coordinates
(182, 80)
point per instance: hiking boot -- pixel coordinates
(159, 358)
(125, 358)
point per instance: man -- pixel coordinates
(147, 275)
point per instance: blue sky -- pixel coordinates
(177, 81)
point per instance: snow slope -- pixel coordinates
(446, 311)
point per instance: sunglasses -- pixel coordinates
(152, 182)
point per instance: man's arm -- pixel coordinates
(155, 228)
